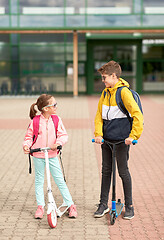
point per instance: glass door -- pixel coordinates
(81, 76)
(126, 55)
(125, 52)
(69, 77)
(101, 55)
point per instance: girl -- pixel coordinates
(47, 105)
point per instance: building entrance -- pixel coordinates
(127, 53)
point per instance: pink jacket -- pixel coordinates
(46, 136)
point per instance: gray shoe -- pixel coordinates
(102, 209)
(129, 212)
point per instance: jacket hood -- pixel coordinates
(120, 83)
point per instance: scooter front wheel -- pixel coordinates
(52, 219)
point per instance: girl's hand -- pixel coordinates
(128, 141)
(54, 146)
(26, 150)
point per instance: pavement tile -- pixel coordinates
(82, 165)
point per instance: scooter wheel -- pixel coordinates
(52, 219)
(112, 218)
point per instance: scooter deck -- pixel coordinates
(119, 207)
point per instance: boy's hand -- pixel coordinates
(26, 150)
(98, 140)
(128, 141)
(54, 146)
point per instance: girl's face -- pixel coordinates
(51, 107)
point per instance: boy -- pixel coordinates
(112, 125)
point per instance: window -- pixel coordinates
(153, 7)
(4, 6)
(5, 81)
(109, 7)
(153, 66)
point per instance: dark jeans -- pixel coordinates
(122, 156)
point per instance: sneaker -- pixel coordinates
(72, 211)
(102, 209)
(39, 212)
(129, 212)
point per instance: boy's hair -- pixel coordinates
(41, 102)
(110, 68)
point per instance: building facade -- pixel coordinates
(57, 46)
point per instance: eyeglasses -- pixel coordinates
(53, 105)
(104, 77)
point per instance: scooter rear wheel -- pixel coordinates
(112, 218)
(52, 219)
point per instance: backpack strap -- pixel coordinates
(36, 120)
(137, 99)
(30, 168)
(121, 104)
(55, 120)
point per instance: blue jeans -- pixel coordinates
(57, 175)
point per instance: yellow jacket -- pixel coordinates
(110, 122)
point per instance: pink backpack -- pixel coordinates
(36, 120)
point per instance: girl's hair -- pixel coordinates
(41, 102)
(110, 68)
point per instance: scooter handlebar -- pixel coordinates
(133, 142)
(59, 147)
(42, 149)
(35, 150)
(93, 140)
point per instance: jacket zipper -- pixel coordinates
(109, 105)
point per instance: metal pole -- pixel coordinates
(114, 173)
(75, 64)
(47, 171)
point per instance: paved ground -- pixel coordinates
(82, 162)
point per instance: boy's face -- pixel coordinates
(109, 80)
